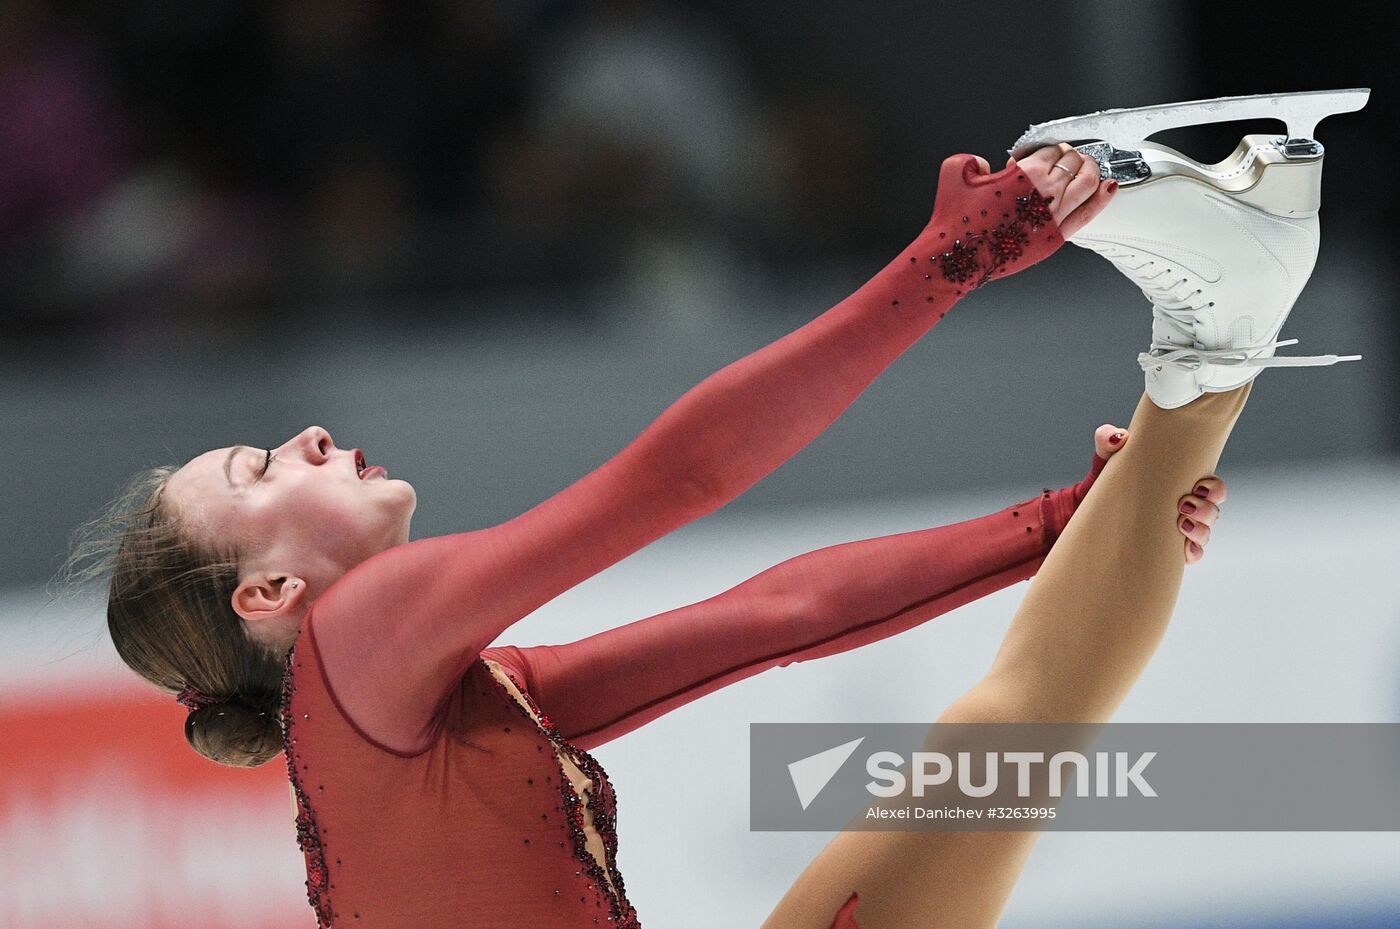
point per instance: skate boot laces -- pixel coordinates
(1174, 307)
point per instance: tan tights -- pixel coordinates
(1089, 623)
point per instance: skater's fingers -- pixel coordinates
(1037, 163)
(1044, 157)
(1036, 167)
(1081, 187)
(1109, 439)
(1201, 510)
(1064, 172)
(1198, 512)
(1088, 209)
(1196, 532)
(1052, 177)
(1211, 488)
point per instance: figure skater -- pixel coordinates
(439, 782)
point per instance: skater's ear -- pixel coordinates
(268, 597)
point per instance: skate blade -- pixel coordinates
(1127, 129)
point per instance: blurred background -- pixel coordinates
(489, 241)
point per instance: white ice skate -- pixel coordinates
(1221, 250)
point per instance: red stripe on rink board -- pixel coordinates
(108, 818)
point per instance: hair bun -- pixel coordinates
(234, 733)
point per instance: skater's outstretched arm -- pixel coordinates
(397, 632)
(816, 604)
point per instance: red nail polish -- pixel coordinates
(1195, 549)
(1115, 438)
(1112, 186)
(1188, 506)
(1201, 491)
(1187, 524)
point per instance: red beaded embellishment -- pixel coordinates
(964, 264)
(1008, 242)
(308, 837)
(602, 803)
(1034, 210)
(959, 263)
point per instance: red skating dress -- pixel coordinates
(444, 784)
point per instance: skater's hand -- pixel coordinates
(1196, 511)
(1074, 191)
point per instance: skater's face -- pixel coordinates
(311, 514)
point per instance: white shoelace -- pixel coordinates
(1176, 309)
(1187, 358)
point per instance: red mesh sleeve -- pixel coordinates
(821, 603)
(397, 632)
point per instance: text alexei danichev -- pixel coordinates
(958, 812)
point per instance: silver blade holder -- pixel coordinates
(1117, 165)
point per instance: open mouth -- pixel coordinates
(365, 471)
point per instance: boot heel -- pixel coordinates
(1286, 185)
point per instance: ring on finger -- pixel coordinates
(1064, 169)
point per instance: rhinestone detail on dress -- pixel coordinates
(308, 836)
(976, 256)
(1033, 210)
(601, 804)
